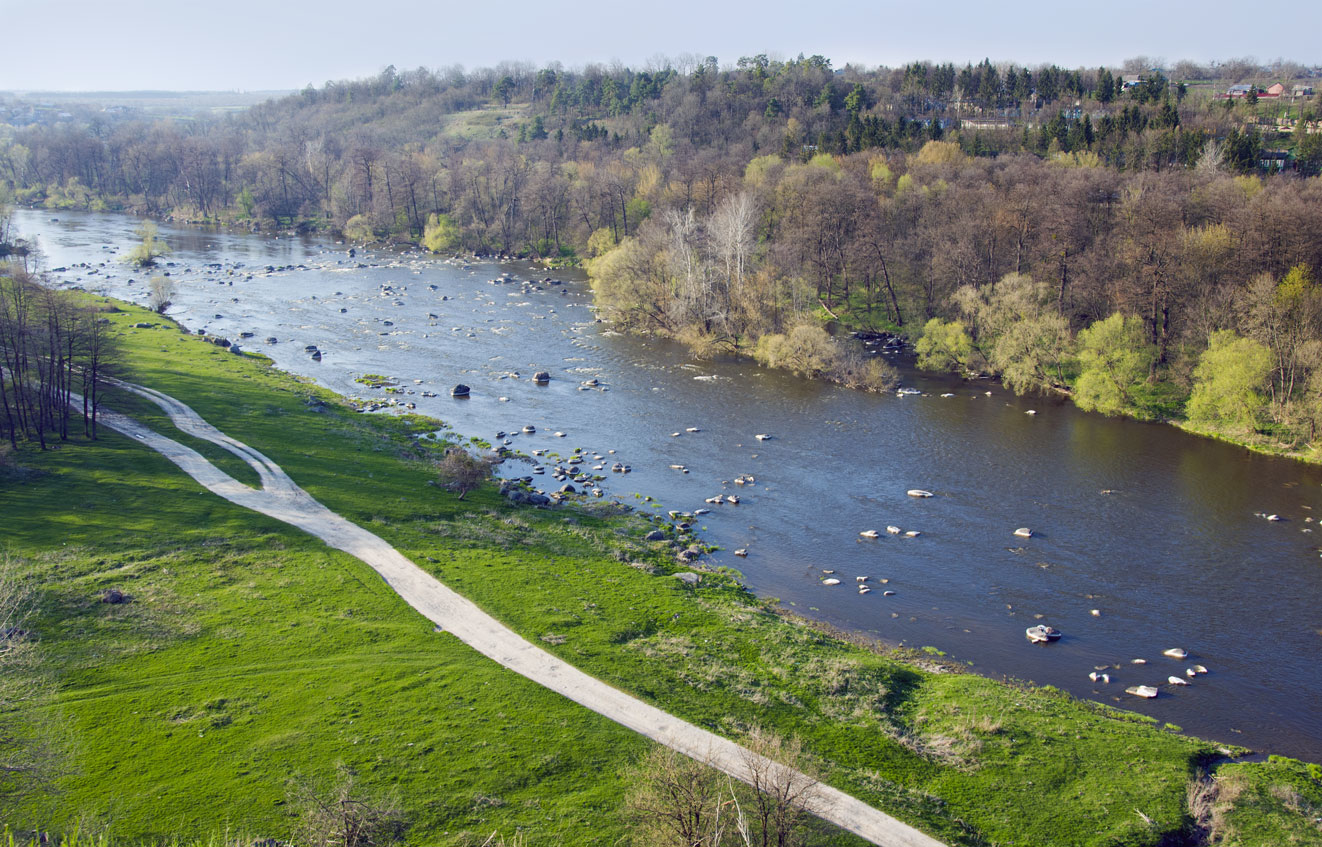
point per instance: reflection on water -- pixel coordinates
(1157, 531)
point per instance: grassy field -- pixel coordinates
(252, 658)
(484, 123)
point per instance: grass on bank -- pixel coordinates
(251, 656)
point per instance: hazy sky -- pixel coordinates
(280, 44)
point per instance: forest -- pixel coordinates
(1125, 236)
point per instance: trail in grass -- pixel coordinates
(281, 498)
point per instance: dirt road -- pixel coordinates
(281, 498)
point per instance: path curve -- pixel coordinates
(281, 498)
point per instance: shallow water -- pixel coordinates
(1177, 554)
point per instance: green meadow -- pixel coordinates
(252, 660)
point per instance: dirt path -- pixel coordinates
(281, 498)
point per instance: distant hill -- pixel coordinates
(153, 103)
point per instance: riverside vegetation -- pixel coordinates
(739, 208)
(247, 660)
(742, 208)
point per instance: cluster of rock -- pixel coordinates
(517, 491)
(219, 341)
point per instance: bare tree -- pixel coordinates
(47, 341)
(1210, 161)
(675, 800)
(344, 816)
(460, 471)
(781, 785)
(685, 802)
(731, 232)
(161, 289)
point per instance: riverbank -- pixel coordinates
(1254, 444)
(235, 619)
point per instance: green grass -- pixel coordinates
(483, 123)
(1259, 442)
(252, 655)
(1278, 803)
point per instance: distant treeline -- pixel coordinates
(739, 208)
(388, 151)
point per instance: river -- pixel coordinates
(1163, 534)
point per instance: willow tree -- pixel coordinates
(1229, 383)
(149, 249)
(1114, 361)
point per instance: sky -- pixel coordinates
(259, 45)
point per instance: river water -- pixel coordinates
(1162, 533)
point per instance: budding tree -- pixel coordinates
(160, 290)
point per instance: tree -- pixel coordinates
(1307, 151)
(1018, 330)
(504, 89)
(6, 220)
(343, 816)
(687, 803)
(1114, 359)
(1229, 382)
(677, 800)
(441, 235)
(461, 472)
(1105, 86)
(359, 229)
(160, 291)
(731, 230)
(1287, 317)
(151, 248)
(781, 782)
(1241, 150)
(48, 342)
(944, 346)
(856, 100)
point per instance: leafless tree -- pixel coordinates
(460, 471)
(731, 231)
(781, 781)
(343, 815)
(47, 342)
(676, 801)
(161, 289)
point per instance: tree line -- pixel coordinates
(743, 208)
(533, 161)
(1000, 266)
